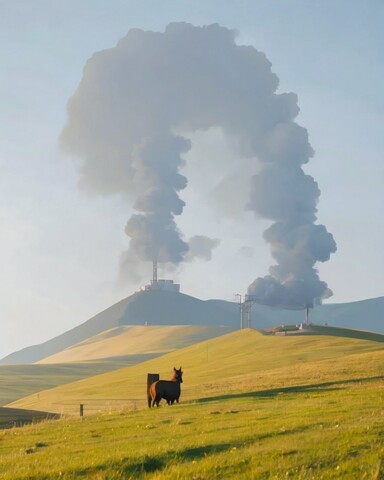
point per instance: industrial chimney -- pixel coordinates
(154, 278)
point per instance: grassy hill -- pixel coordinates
(135, 340)
(244, 359)
(142, 308)
(252, 406)
(170, 308)
(109, 350)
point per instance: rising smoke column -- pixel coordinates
(154, 235)
(288, 196)
(122, 123)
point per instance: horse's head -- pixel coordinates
(178, 375)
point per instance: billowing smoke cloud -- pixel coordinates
(122, 123)
(153, 232)
(201, 247)
(282, 192)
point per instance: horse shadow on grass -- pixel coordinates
(274, 392)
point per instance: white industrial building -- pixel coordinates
(166, 285)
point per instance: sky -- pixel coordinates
(61, 245)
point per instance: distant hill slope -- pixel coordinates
(18, 381)
(150, 307)
(314, 329)
(11, 417)
(242, 360)
(135, 340)
(362, 315)
(170, 308)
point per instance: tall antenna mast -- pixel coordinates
(306, 315)
(154, 278)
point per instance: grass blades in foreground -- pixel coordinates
(300, 432)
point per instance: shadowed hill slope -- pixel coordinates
(244, 359)
(11, 417)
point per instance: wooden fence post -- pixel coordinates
(151, 377)
(81, 410)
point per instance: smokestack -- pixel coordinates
(154, 279)
(306, 315)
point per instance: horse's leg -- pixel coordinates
(149, 401)
(157, 400)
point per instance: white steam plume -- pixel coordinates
(122, 123)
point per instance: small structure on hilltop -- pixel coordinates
(162, 284)
(167, 285)
(246, 303)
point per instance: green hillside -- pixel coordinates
(252, 406)
(244, 360)
(109, 350)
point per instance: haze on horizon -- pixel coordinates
(60, 246)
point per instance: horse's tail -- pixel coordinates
(151, 393)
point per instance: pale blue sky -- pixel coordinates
(60, 247)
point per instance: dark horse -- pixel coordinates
(167, 389)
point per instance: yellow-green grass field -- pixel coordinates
(110, 350)
(18, 381)
(252, 406)
(241, 361)
(135, 340)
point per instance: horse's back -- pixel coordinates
(166, 387)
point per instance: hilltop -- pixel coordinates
(141, 308)
(163, 308)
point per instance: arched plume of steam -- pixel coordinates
(122, 119)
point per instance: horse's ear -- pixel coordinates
(174, 369)
(180, 368)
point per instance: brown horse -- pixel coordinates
(167, 389)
